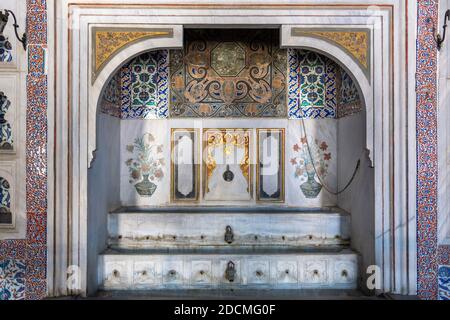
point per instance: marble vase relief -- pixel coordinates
(6, 139)
(5, 202)
(5, 45)
(227, 165)
(145, 164)
(270, 165)
(311, 164)
(5, 49)
(185, 174)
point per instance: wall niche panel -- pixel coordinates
(7, 194)
(270, 165)
(185, 173)
(227, 170)
(6, 134)
(9, 103)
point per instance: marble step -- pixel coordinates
(131, 270)
(200, 227)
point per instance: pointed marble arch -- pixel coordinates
(128, 51)
(347, 61)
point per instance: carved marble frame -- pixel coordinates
(394, 163)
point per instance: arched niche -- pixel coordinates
(112, 66)
(347, 62)
(76, 136)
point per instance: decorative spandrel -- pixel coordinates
(220, 74)
(6, 138)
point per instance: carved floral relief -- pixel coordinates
(145, 164)
(306, 162)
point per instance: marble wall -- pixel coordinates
(104, 191)
(359, 197)
(145, 165)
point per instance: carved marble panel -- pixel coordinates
(258, 272)
(224, 271)
(185, 173)
(118, 274)
(344, 271)
(227, 165)
(270, 165)
(173, 272)
(311, 172)
(145, 162)
(286, 272)
(220, 74)
(201, 272)
(315, 272)
(146, 274)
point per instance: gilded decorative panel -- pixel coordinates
(220, 74)
(227, 169)
(355, 41)
(107, 42)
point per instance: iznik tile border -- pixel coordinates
(27, 258)
(427, 158)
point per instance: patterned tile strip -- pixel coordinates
(427, 162)
(23, 263)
